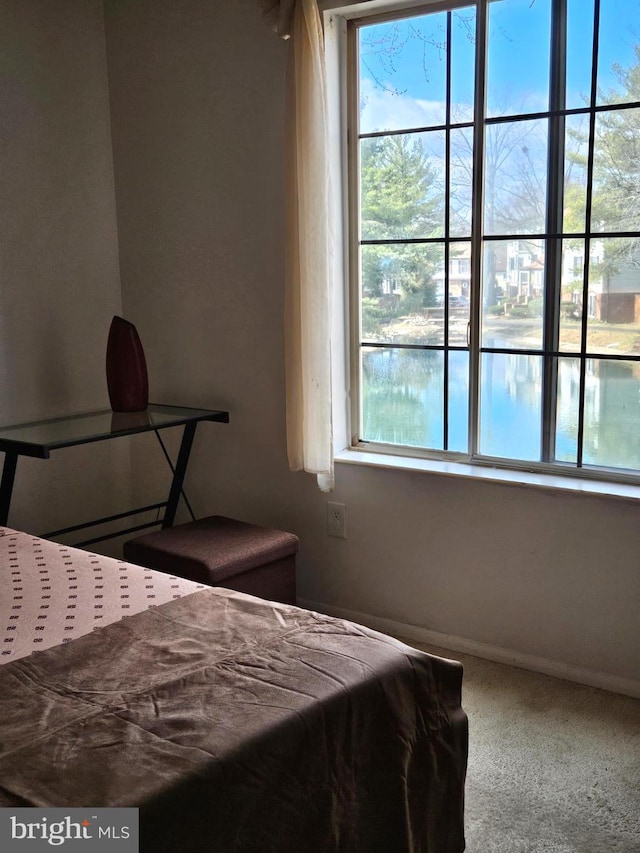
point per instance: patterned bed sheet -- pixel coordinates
(52, 593)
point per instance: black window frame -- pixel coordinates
(552, 238)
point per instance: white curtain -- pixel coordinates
(308, 240)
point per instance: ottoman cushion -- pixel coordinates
(211, 549)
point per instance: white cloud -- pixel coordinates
(383, 109)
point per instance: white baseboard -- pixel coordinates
(613, 683)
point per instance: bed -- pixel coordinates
(232, 723)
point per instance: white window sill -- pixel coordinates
(439, 467)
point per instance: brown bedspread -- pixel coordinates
(237, 725)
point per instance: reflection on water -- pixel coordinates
(402, 397)
(403, 392)
(611, 412)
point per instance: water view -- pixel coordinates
(560, 258)
(403, 403)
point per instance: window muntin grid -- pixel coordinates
(553, 267)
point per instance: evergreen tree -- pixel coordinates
(616, 199)
(401, 199)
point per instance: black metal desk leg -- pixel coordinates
(6, 486)
(178, 474)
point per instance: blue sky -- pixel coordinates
(403, 65)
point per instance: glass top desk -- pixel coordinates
(39, 438)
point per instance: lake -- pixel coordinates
(403, 393)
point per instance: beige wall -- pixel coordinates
(59, 277)
(196, 104)
(197, 90)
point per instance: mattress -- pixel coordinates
(53, 593)
(231, 723)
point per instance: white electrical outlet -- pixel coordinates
(336, 519)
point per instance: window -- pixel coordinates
(503, 135)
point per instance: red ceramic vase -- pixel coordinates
(126, 368)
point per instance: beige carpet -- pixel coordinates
(554, 767)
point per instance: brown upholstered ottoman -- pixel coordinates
(223, 552)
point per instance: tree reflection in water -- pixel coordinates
(403, 398)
